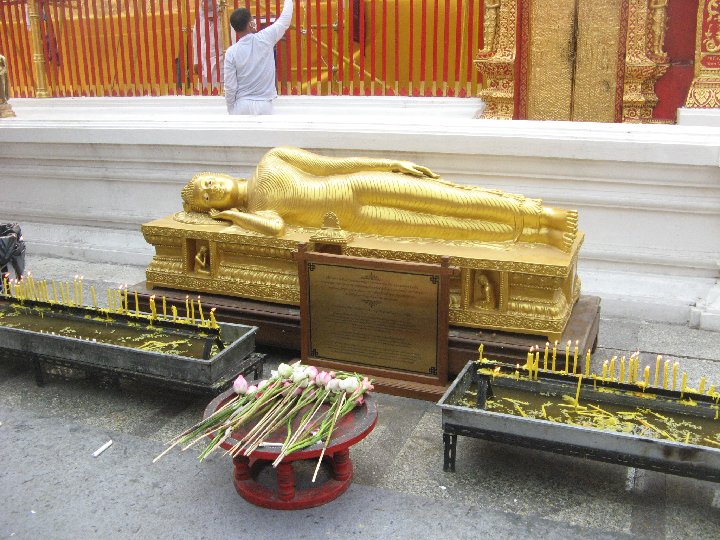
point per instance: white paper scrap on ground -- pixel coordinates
(100, 450)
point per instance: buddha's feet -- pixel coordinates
(560, 226)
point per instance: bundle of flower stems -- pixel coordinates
(291, 399)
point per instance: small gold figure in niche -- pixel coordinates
(5, 108)
(659, 24)
(375, 196)
(202, 261)
(484, 294)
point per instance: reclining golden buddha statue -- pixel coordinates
(517, 257)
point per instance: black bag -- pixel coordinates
(12, 249)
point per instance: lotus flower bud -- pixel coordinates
(367, 386)
(285, 371)
(304, 383)
(240, 385)
(252, 390)
(298, 375)
(322, 378)
(333, 385)
(311, 372)
(262, 384)
(350, 385)
(274, 374)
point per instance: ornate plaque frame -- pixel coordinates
(411, 293)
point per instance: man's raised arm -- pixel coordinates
(276, 30)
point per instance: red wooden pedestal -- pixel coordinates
(285, 495)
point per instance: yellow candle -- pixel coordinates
(587, 363)
(656, 380)
(126, 308)
(575, 359)
(577, 393)
(701, 388)
(647, 376)
(82, 299)
(118, 300)
(202, 317)
(174, 313)
(612, 368)
(683, 384)
(529, 359)
(675, 368)
(554, 355)
(480, 350)
(666, 372)
(213, 322)
(137, 304)
(164, 308)
(192, 310)
(537, 360)
(605, 369)
(517, 372)
(6, 287)
(153, 311)
(92, 295)
(545, 357)
(567, 356)
(187, 307)
(622, 369)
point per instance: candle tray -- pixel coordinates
(465, 411)
(127, 345)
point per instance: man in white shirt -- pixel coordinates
(250, 63)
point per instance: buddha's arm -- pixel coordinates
(265, 222)
(324, 166)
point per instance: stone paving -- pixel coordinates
(53, 487)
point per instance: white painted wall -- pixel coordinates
(82, 174)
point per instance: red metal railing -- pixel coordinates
(166, 47)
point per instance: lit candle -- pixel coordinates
(567, 355)
(174, 313)
(529, 360)
(213, 322)
(118, 300)
(656, 379)
(137, 303)
(666, 372)
(577, 393)
(575, 358)
(517, 372)
(545, 358)
(605, 369)
(6, 286)
(622, 369)
(537, 360)
(612, 368)
(92, 295)
(164, 308)
(202, 317)
(701, 388)
(554, 355)
(587, 363)
(646, 379)
(480, 350)
(683, 384)
(675, 368)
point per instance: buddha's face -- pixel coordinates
(218, 192)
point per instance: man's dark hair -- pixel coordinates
(239, 19)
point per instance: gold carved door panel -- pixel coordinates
(574, 50)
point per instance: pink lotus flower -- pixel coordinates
(252, 389)
(311, 372)
(367, 386)
(322, 378)
(240, 385)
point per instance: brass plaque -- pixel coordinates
(374, 317)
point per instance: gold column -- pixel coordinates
(645, 59)
(38, 55)
(5, 108)
(224, 22)
(496, 60)
(705, 89)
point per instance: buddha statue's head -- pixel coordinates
(213, 190)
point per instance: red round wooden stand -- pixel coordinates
(351, 429)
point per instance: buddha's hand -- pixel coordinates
(408, 167)
(225, 215)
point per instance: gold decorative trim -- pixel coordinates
(645, 58)
(496, 60)
(705, 89)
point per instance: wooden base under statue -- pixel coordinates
(279, 326)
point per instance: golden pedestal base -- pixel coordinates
(511, 287)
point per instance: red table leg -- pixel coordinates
(286, 481)
(242, 468)
(342, 466)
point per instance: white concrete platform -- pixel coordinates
(82, 174)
